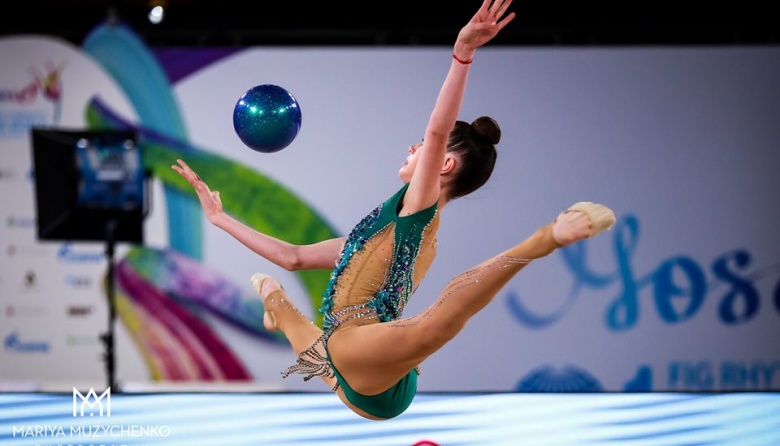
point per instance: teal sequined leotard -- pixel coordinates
(383, 260)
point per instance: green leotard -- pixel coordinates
(383, 260)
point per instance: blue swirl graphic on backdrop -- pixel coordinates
(120, 52)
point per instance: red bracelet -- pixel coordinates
(464, 62)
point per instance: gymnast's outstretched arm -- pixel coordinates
(321, 255)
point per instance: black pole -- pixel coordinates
(108, 337)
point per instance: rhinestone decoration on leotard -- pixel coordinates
(391, 300)
(358, 311)
(311, 362)
(355, 241)
(388, 304)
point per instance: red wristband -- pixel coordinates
(464, 62)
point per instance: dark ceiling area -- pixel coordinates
(191, 23)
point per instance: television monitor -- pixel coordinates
(87, 183)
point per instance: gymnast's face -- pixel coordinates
(408, 166)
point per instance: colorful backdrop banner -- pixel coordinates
(683, 294)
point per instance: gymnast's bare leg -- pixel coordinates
(374, 357)
(281, 314)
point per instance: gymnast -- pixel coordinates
(367, 350)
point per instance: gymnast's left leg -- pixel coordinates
(304, 336)
(388, 351)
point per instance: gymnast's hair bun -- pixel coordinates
(487, 128)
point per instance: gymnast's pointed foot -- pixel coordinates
(582, 220)
(265, 285)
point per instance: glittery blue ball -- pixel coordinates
(267, 118)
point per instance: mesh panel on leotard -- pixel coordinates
(384, 258)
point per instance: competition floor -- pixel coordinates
(277, 418)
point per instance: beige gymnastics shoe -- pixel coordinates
(582, 220)
(257, 280)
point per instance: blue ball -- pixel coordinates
(267, 118)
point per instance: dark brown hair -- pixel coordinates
(475, 145)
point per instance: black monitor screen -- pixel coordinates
(87, 181)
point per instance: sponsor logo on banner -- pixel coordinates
(20, 222)
(78, 282)
(18, 114)
(13, 250)
(730, 277)
(79, 310)
(24, 310)
(13, 343)
(82, 339)
(67, 254)
(17, 124)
